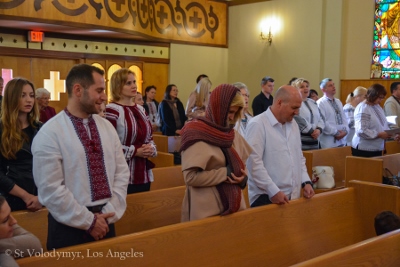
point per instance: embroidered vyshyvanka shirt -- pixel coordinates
(134, 129)
(78, 163)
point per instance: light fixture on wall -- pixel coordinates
(269, 27)
(267, 36)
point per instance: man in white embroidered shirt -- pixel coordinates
(79, 167)
(336, 125)
(276, 166)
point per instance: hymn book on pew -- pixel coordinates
(392, 121)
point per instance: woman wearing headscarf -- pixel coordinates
(214, 180)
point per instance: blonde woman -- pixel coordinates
(198, 99)
(309, 120)
(246, 115)
(19, 125)
(133, 128)
(353, 99)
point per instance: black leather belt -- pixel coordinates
(96, 209)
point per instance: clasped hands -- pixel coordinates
(340, 135)
(145, 151)
(233, 179)
(101, 228)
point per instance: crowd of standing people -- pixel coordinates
(82, 162)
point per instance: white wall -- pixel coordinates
(308, 44)
(358, 24)
(189, 61)
(318, 39)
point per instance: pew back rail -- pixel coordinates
(280, 235)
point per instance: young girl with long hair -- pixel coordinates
(19, 125)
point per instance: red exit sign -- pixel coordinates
(34, 36)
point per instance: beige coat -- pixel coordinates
(204, 167)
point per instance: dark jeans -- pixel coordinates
(61, 235)
(137, 188)
(262, 200)
(365, 154)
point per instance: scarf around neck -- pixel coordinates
(173, 104)
(212, 129)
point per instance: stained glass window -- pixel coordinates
(386, 43)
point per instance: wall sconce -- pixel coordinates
(269, 27)
(267, 36)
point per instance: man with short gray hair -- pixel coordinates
(336, 126)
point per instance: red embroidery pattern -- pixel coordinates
(135, 131)
(99, 185)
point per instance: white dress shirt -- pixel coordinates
(277, 162)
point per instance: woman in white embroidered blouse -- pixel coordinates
(151, 107)
(309, 119)
(353, 99)
(370, 124)
(133, 128)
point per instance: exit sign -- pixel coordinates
(34, 36)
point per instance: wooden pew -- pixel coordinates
(167, 177)
(392, 147)
(34, 222)
(278, 235)
(335, 157)
(144, 211)
(378, 251)
(161, 142)
(163, 159)
(167, 143)
(371, 169)
(150, 210)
